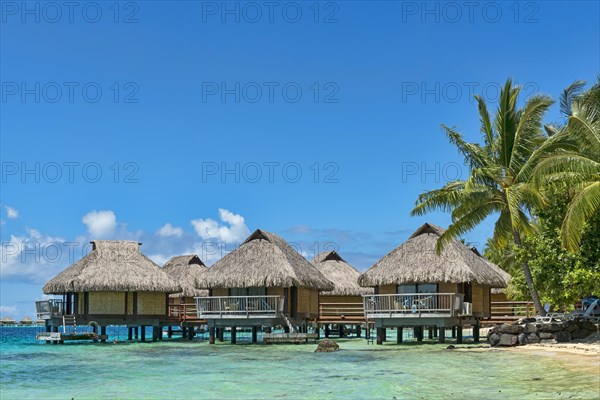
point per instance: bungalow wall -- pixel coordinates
(113, 303)
(308, 302)
(323, 299)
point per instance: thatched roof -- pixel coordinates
(416, 261)
(505, 275)
(343, 275)
(112, 265)
(27, 318)
(264, 260)
(7, 319)
(186, 270)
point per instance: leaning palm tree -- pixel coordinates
(497, 183)
(573, 155)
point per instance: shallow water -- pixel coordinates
(183, 369)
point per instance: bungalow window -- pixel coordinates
(428, 302)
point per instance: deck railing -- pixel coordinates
(239, 307)
(183, 312)
(48, 309)
(415, 305)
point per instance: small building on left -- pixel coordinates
(115, 284)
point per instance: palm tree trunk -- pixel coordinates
(529, 279)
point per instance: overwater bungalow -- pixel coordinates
(186, 271)
(27, 321)
(343, 305)
(416, 287)
(263, 283)
(7, 321)
(115, 284)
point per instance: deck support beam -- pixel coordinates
(254, 334)
(143, 333)
(190, 332)
(459, 334)
(399, 334)
(453, 332)
(136, 333)
(430, 333)
(103, 332)
(220, 333)
(476, 333)
(233, 335)
(341, 330)
(48, 329)
(326, 330)
(442, 334)
(129, 333)
(358, 332)
(160, 332)
(211, 335)
(154, 333)
(55, 330)
(418, 333)
(169, 331)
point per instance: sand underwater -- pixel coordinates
(194, 369)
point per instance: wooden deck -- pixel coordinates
(185, 314)
(63, 337)
(289, 337)
(509, 311)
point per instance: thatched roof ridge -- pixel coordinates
(112, 265)
(343, 275)
(186, 270)
(416, 261)
(264, 260)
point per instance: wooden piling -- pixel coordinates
(136, 333)
(380, 335)
(341, 330)
(358, 332)
(430, 333)
(399, 333)
(103, 332)
(442, 334)
(129, 333)
(143, 333)
(476, 333)
(169, 332)
(221, 334)
(459, 334)
(453, 332)
(233, 335)
(190, 333)
(211, 335)
(254, 334)
(326, 330)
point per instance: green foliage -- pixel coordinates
(562, 277)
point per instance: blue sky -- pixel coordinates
(325, 119)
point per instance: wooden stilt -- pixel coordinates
(286, 329)
(476, 333)
(160, 333)
(358, 332)
(48, 329)
(169, 332)
(221, 334)
(55, 329)
(103, 332)
(233, 335)
(430, 333)
(190, 333)
(341, 330)
(154, 333)
(399, 334)
(318, 331)
(183, 332)
(143, 333)
(442, 334)
(420, 333)
(453, 332)
(326, 330)
(435, 331)
(129, 333)
(211, 335)
(136, 334)
(254, 334)
(459, 334)
(380, 335)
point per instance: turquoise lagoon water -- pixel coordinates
(183, 369)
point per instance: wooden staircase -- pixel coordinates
(288, 323)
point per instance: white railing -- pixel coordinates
(48, 309)
(239, 307)
(414, 305)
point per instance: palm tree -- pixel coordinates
(573, 155)
(497, 184)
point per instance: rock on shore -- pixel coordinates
(528, 331)
(327, 346)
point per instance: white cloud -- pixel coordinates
(11, 212)
(10, 311)
(35, 257)
(100, 224)
(237, 230)
(168, 230)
